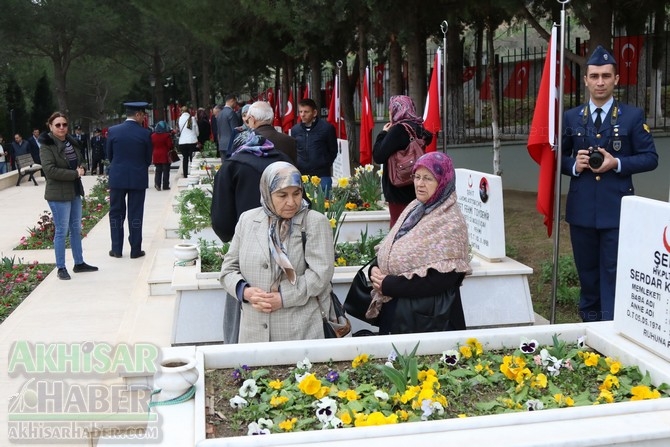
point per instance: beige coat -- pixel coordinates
(249, 259)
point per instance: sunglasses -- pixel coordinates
(59, 125)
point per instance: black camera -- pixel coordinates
(596, 159)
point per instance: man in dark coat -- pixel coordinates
(259, 118)
(129, 152)
(605, 142)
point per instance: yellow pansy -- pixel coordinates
(475, 344)
(607, 396)
(643, 392)
(615, 366)
(609, 383)
(359, 360)
(275, 384)
(466, 351)
(591, 359)
(402, 414)
(277, 401)
(341, 261)
(351, 206)
(288, 424)
(540, 381)
(310, 385)
(345, 417)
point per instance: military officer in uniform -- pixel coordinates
(129, 152)
(605, 142)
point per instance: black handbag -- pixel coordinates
(335, 322)
(358, 298)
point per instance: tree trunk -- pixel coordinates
(493, 82)
(396, 84)
(60, 80)
(455, 115)
(205, 91)
(315, 78)
(416, 61)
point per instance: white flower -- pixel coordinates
(528, 346)
(555, 368)
(392, 356)
(238, 402)
(429, 407)
(336, 422)
(325, 409)
(534, 404)
(546, 358)
(248, 388)
(450, 357)
(381, 395)
(305, 364)
(389, 364)
(581, 341)
(255, 429)
(299, 377)
(368, 168)
(265, 423)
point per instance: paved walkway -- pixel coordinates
(112, 305)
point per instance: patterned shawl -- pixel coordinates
(431, 235)
(401, 108)
(248, 141)
(277, 176)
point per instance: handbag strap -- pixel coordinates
(410, 130)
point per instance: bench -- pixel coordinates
(27, 166)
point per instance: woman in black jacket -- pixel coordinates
(395, 138)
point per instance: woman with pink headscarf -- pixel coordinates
(394, 138)
(422, 261)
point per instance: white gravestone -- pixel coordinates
(480, 197)
(341, 164)
(642, 301)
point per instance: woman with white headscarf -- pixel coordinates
(281, 278)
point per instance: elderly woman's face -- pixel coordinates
(286, 201)
(425, 184)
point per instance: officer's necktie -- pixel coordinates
(598, 120)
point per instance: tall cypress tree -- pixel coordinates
(17, 118)
(43, 103)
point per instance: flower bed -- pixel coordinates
(94, 207)
(542, 428)
(17, 281)
(463, 381)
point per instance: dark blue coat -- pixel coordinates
(129, 151)
(594, 200)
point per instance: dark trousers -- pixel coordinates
(595, 252)
(186, 152)
(97, 167)
(162, 175)
(117, 215)
(395, 209)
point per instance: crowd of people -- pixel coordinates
(278, 270)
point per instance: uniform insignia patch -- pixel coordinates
(646, 127)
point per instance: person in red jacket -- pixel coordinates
(161, 140)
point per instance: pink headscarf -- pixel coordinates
(402, 108)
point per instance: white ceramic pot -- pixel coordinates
(175, 376)
(186, 252)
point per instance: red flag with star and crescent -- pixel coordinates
(289, 115)
(627, 51)
(367, 123)
(542, 136)
(517, 86)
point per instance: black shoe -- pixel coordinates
(84, 267)
(137, 255)
(158, 188)
(113, 254)
(63, 274)
(165, 188)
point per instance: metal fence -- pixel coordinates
(519, 74)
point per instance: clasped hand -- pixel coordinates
(261, 300)
(377, 277)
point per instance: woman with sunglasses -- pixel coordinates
(63, 166)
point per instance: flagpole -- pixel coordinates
(337, 98)
(444, 27)
(559, 153)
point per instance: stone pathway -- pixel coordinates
(112, 305)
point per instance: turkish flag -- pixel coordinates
(367, 123)
(469, 73)
(305, 92)
(627, 51)
(569, 81)
(270, 96)
(542, 137)
(517, 86)
(289, 116)
(485, 89)
(335, 113)
(379, 82)
(431, 114)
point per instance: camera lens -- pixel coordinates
(596, 159)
